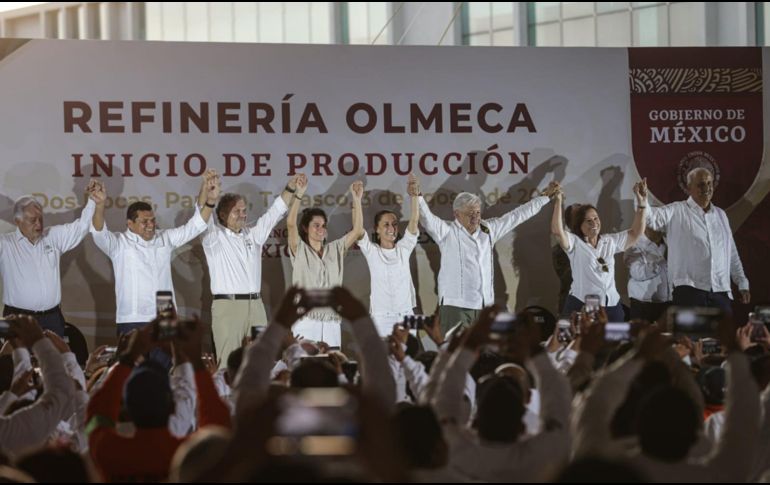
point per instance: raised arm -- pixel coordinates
(375, 371)
(30, 427)
(99, 196)
(500, 226)
(637, 227)
(104, 239)
(414, 193)
(357, 192)
(436, 227)
(291, 219)
(557, 225)
(67, 236)
(209, 193)
(291, 188)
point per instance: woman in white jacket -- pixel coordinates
(387, 254)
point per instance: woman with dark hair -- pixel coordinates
(318, 264)
(592, 255)
(392, 292)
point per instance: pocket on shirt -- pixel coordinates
(52, 256)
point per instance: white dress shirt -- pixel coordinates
(392, 290)
(465, 277)
(143, 267)
(588, 275)
(648, 270)
(701, 249)
(31, 277)
(235, 259)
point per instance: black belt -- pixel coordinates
(9, 310)
(244, 296)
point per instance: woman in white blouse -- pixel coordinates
(318, 264)
(592, 255)
(387, 254)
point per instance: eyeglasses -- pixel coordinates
(603, 263)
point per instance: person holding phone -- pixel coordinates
(141, 255)
(387, 255)
(592, 254)
(318, 264)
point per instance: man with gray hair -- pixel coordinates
(465, 283)
(29, 261)
(702, 257)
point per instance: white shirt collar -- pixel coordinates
(137, 238)
(691, 202)
(22, 237)
(465, 231)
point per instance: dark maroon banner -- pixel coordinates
(697, 107)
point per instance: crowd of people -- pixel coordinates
(474, 394)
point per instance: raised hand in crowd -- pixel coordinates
(26, 329)
(292, 307)
(347, 305)
(432, 327)
(24, 383)
(96, 361)
(57, 341)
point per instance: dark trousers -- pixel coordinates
(648, 310)
(157, 354)
(573, 304)
(451, 316)
(52, 319)
(689, 296)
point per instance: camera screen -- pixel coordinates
(697, 322)
(505, 323)
(316, 422)
(168, 329)
(164, 303)
(415, 322)
(5, 329)
(617, 332)
(763, 314)
(319, 298)
(711, 346)
(592, 303)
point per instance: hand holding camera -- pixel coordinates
(57, 341)
(140, 342)
(166, 324)
(395, 348)
(186, 345)
(479, 333)
(100, 357)
(651, 344)
(594, 338)
(25, 328)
